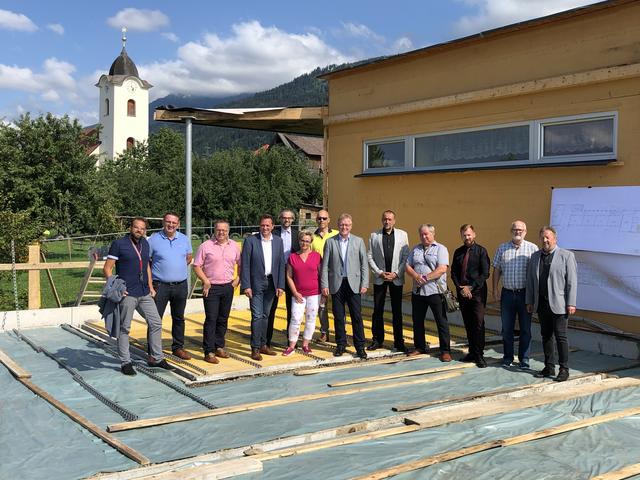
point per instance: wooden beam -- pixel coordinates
(580, 79)
(395, 359)
(34, 278)
(625, 472)
(212, 471)
(481, 447)
(412, 373)
(92, 427)
(183, 417)
(15, 369)
(32, 265)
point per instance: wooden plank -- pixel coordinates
(494, 93)
(625, 472)
(32, 265)
(391, 376)
(51, 282)
(518, 439)
(213, 471)
(397, 358)
(92, 427)
(183, 417)
(15, 369)
(34, 278)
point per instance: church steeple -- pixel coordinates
(123, 65)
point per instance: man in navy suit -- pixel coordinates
(262, 280)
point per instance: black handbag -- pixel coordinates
(448, 298)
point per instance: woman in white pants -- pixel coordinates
(303, 277)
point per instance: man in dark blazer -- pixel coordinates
(345, 275)
(387, 254)
(262, 281)
(291, 244)
(552, 289)
(469, 272)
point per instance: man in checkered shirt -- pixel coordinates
(510, 264)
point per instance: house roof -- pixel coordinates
(478, 37)
(123, 65)
(308, 144)
(295, 120)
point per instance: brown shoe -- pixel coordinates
(221, 353)
(267, 350)
(413, 353)
(324, 337)
(445, 357)
(182, 353)
(255, 354)
(211, 358)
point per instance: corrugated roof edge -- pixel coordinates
(485, 35)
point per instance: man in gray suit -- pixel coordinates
(262, 280)
(345, 275)
(552, 284)
(388, 252)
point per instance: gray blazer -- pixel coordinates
(357, 270)
(563, 281)
(375, 254)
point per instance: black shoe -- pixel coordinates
(360, 353)
(563, 375)
(548, 372)
(469, 358)
(339, 351)
(481, 362)
(161, 364)
(402, 349)
(374, 346)
(127, 369)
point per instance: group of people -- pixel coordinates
(311, 267)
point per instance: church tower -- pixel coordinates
(124, 106)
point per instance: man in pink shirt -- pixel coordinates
(214, 265)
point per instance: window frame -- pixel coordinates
(536, 141)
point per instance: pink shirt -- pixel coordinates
(218, 261)
(305, 274)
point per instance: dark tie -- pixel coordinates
(465, 262)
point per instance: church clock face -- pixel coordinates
(131, 86)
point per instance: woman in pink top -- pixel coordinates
(303, 277)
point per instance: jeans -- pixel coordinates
(309, 309)
(512, 303)
(217, 305)
(146, 307)
(176, 294)
(345, 296)
(260, 304)
(272, 313)
(419, 306)
(323, 314)
(553, 324)
(377, 319)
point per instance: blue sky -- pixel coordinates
(54, 51)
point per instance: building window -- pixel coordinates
(131, 108)
(307, 216)
(576, 139)
(385, 154)
(130, 143)
(106, 107)
(573, 138)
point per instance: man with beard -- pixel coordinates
(510, 264)
(469, 272)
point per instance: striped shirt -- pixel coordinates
(512, 261)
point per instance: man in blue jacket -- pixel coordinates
(262, 280)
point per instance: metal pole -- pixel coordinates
(187, 180)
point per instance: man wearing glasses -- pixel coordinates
(289, 235)
(510, 264)
(320, 237)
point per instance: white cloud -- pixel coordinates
(360, 30)
(56, 28)
(496, 13)
(251, 59)
(16, 21)
(172, 37)
(53, 83)
(402, 44)
(139, 19)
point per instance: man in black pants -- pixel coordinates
(427, 264)
(469, 272)
(552, 288)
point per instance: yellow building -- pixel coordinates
(479, 130)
